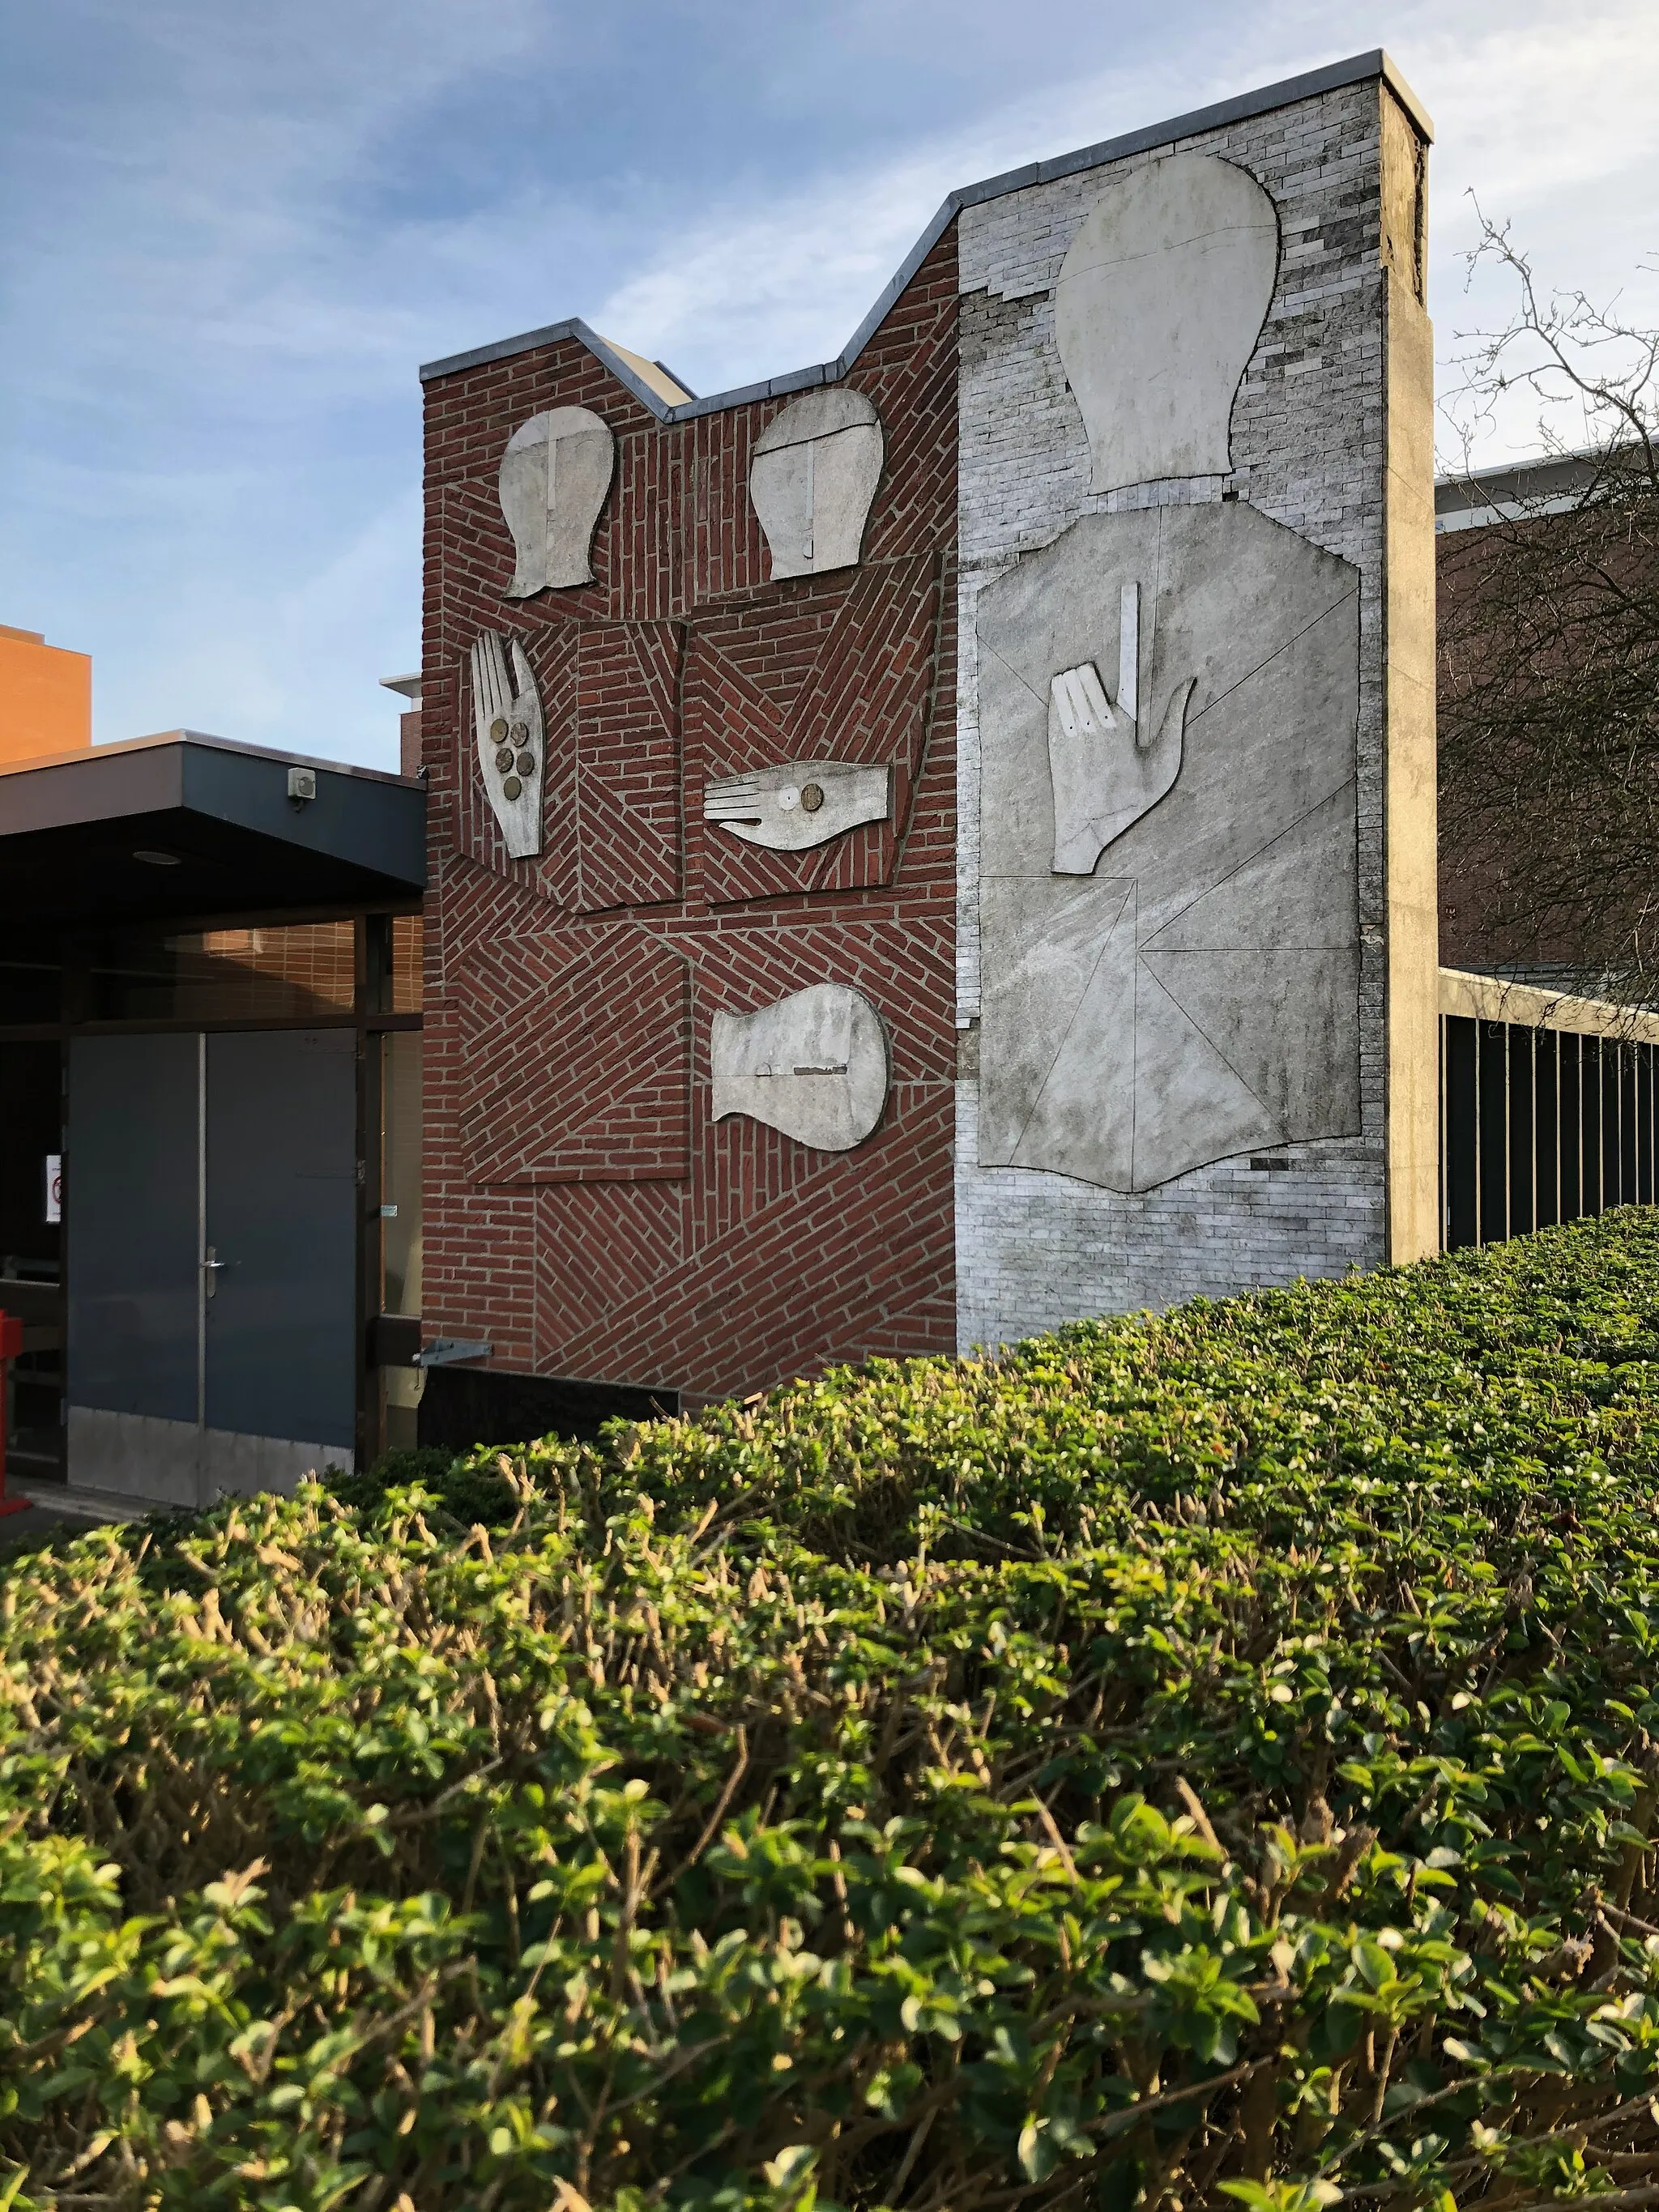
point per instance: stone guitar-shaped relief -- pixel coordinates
(802, 804)
(555, 475)
(812, 476)
(1109, 765)
(814, 1066)
(507, 713)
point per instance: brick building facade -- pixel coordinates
(586, 1214)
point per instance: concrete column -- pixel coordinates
(1413, 923)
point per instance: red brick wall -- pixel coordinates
(583, 1211)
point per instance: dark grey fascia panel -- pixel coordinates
(1359, 69)
(378, 826)
(91, 786)
(1547, 476)
(369, 820)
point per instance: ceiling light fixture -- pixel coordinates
(154, 859)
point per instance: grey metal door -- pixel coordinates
(280, 1238)
(212, 1242)
(133, 1245)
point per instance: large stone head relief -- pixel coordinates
(812, 476)
(554, 474)
(1161, 298)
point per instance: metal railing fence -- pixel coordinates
(1540, 1124)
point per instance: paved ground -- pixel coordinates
(44, 1521)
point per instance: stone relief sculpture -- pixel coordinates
(1108, 767)
(1160, 300)
(814, 1066)
(555, 475)
(800, 805)
(507, 713)
(1168, 900)
(812, 476)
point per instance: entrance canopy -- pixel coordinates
(186, 825)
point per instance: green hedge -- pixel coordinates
(1204, 1757)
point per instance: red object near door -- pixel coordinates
(11, 1343)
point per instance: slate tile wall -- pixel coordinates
(1034, 1250)
(583, 1211)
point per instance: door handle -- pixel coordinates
(210, 1265)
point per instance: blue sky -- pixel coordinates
(230, 233)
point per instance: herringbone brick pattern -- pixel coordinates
(556, 1090)
(583, 1212)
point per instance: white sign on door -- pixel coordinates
(54, 1186)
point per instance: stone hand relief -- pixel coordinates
(812, 476)
(1161, 298)
(554, 474)
(506, 711)
(814, 1066)
(1109, 765)
(1196, 995)
(803, 804)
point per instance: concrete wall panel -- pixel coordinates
(1216, 1112)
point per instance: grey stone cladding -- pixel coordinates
(1035, 1249)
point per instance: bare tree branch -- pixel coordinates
(1549, 654)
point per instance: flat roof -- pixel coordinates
(1507, 491)
(221, 831)
(1359, 69)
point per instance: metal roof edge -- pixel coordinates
(527, 341)
(1331, 77)
(159, 737)
(1472, 482)
(1422, 121)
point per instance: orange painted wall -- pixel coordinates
(46, 697)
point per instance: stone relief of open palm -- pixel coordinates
(506, 711)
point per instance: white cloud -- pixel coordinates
(739, 295)
(241, 231)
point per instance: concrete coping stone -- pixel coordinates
(1333, 76)
(1526, 1006)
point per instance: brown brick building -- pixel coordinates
(600, 1221)
(584, 1214)
(926, 849)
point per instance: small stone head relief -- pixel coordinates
(554, 474)
(1161, 298)
(812, 476)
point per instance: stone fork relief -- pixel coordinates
(1108, 763)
